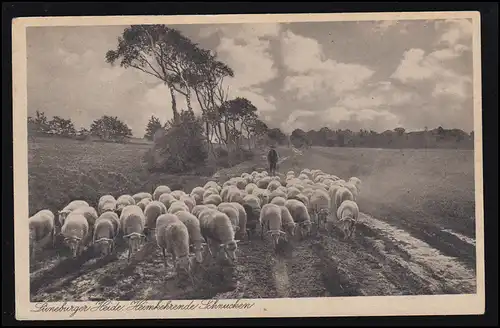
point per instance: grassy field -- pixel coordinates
(401, 248)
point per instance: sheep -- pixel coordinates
(132, 223)
(62, 214)
(211, 184)
(232, 213)
(342, 195)
(90, 214)
(241, 183)
(211, 206)
(264, 182)
(302, 198)
(152, 211)
(287, 222)
(216, 227)
(178, 206)
(198, 209)
(332, 192)
(356, 182)
(252, 200)
(250, 187)
(167, 200)
(270, 217)
(197, 195)
(189, 201)
(105, 231)
(292, 192)
(161, 190)
(352, 188)
(195, 239)
(144, 202)
(242, 219)
(280, 201)
(141, 195)
(178, 194)
(172, 236)
(235, 196)
(41, 225)
(320, 205)
(212, 199)
(348, 213)
(276, 193)
(75, 231)
(122, 202)
(106, 203)
(225, 191)
(273, 185)
(300, 215)
(262, 194)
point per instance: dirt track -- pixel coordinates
(381, 260)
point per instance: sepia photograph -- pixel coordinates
(248, 165)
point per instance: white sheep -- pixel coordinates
(178, 206)
(172, 236)
(252, 200)
(320, 206)
(211, 184)
(178, 194)
(41, 225)
(352, 188)
(342, 195)
(161, 190)
(357, 182)
(287, 222)
(302, 198)
(189, 201)
(273, 185)
(152, 211)
(167, 200)
(235, 196)
(348, 213)
(263, 182)
(292, 192)
(141, 195)
(62, 214)
(75, 231)
(197, 195)
(280, 201)
(198, 209)
(276, 193)
(132, 223)
(90, 214)
(270, 218)
(195, 238)
(122, 202)
(242, 219)
(217, 229)
(250, 187)
(212, 199)
(106, 203)
(144, 202)
(332, 192)
(300, 215)
(232, 213)
(105, 231)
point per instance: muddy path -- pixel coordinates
(382, 259)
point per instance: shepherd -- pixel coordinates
(272, 158)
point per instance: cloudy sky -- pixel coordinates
(372, 75)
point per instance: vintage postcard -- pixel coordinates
(248, 166)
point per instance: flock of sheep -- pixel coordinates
(213, 215)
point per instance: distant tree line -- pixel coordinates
(397, 138)
(108, 128)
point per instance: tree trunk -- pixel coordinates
(174, 104)
(188, 100)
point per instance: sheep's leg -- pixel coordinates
(164, 257)
(129, 252)
(261, 232)
(54, 237)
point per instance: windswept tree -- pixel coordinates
(235, 115)
(277, 136)
(154, 125)
(39, 123)
(110, 128)
(159, 51)
(61, 127)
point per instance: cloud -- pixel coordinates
(246, 48)
(417, 67)
(295, 120)
(455, 30)
(313, 73)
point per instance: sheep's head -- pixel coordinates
(103, 246)
(134, 240)
(230, 249)
(347, 224)
(198, 250)
(72, 243)
(290, 229)
(62, 215)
